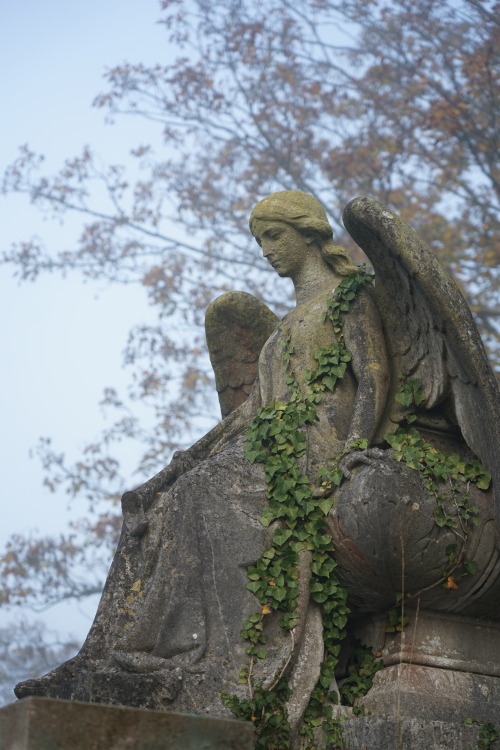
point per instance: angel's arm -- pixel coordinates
(236, 324)
(231, 426)
(140, 498)
(365, 340)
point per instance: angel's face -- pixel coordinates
(284, 247)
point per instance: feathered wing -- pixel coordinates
(429, 330)
(237, 325)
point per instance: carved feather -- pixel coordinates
(237, 325)
(429, 329)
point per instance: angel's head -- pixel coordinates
(307, 218)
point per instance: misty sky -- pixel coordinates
(61, 340)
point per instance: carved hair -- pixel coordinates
(306, 214)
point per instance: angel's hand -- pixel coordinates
(359, 457)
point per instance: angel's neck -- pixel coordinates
(313, 283)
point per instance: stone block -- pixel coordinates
(48, 724)
(435, 639)
(383, 733)
(427, 693)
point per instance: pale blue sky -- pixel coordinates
(61, 340)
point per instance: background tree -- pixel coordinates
(28, 650)
(394, 99)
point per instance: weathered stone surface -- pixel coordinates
(441, 667)
(435, 639)
(166, 634)
(167, 631)
(387, 542)
(237, 325)
(389, 733)
(430, 331)
(433, 694)
(45, 724)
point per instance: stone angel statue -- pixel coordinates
(351, 468)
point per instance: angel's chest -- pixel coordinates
(300, 334)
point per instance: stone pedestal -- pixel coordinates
(48, 724)
(427, 693)
(384, 733)
(435, 639)
(51, 724)
(440, 668)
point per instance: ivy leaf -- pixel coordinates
(484, 481)
(404, 399)
(279, 594)
(254, 586)
(319, 597)
(326, 504)
(440, 521)
(267, 517)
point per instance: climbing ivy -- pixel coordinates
(447, 477)
(488, 733)
(276, 439)
(267, 709)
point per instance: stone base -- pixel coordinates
(440, 668)
(48, 724)
(383, 733)
(435, 639)
(430, 694)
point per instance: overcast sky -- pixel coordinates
(61, 340)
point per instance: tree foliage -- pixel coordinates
(28, 650)
(396, 99)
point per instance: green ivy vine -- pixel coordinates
(447, 477)
(488, 733)
(276, 439)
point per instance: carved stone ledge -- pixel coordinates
(431, 694)
(435, 639)
(43, 723)
(383, 733)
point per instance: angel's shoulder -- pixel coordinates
(365, 305)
